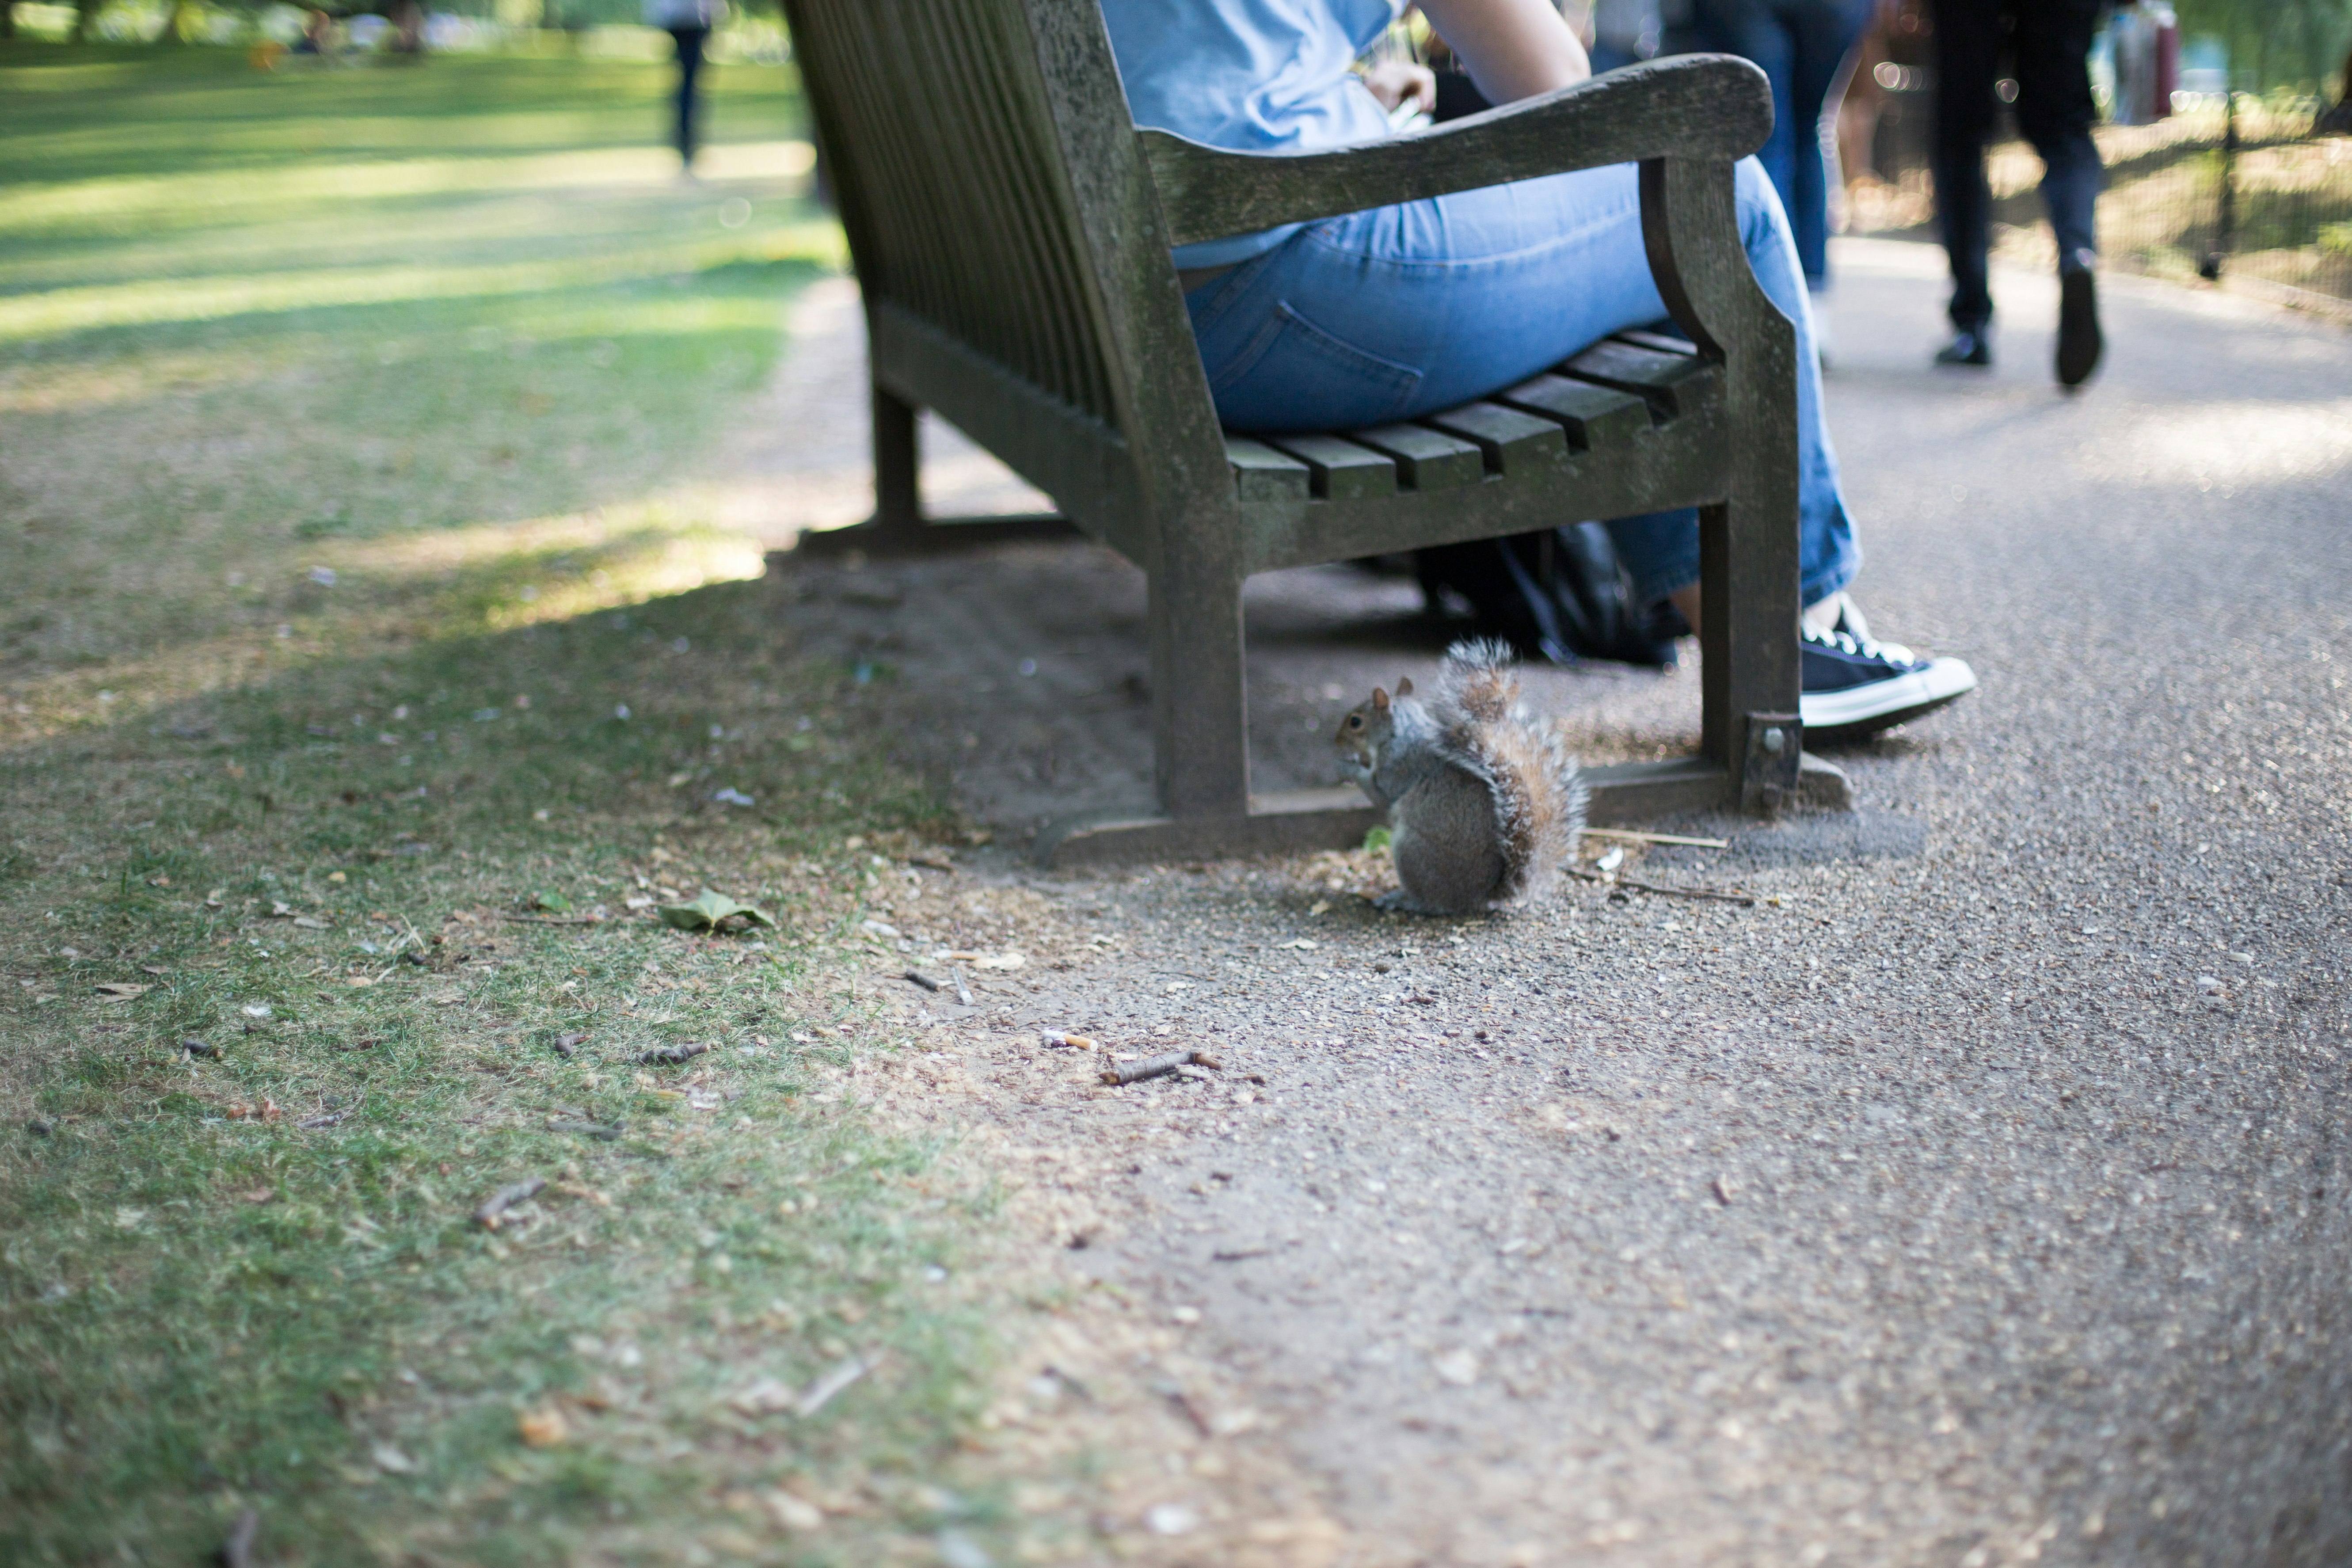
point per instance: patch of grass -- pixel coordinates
(341, 627)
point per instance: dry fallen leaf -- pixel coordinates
(119, 991)
(544, 1428)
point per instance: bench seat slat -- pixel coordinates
(1340, 470)
(1263, 474)
(1426, 459)
(1513, 442)
(1629, 367)
(1598, 418)
(1642, 338)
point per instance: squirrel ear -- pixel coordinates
(1404, 687)
(1380, 700)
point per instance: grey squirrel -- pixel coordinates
(1484, 800)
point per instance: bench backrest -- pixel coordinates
(1008, 242)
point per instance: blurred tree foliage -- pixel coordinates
(2294, 43)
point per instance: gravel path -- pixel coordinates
(1973, 1199)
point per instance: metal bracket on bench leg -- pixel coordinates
(1776, 747)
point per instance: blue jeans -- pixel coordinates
(1402, 311)
(1801, 43)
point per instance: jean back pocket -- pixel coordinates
(1292, 374)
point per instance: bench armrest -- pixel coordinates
(1692, 105)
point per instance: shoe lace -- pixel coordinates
(1860, 648)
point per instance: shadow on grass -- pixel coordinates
(248, 1275)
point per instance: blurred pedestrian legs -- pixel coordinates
(688, 21)
(1802, 44)
(2045, 46)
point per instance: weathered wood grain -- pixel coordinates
(1693, 106)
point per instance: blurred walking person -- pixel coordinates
(1803, 46)
(689, 23)
(2046, 45)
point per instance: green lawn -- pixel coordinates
(358, 603)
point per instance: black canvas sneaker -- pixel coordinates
(1853, 686)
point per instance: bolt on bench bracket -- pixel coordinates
(1775, 746)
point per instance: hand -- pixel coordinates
(1394, 81)
(1512, 49)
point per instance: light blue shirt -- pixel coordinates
(1255, 76)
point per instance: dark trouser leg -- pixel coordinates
(2055, 110)
(689, 67)
(1968, 58)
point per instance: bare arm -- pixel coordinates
(1514, 48)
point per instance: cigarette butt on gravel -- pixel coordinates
(505, 1198)
(1158, 1067)
(1057, 1040)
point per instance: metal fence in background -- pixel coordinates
(2230, 186)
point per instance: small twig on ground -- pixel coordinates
(505, 1198)
(236, 1552)
(1632, 835)
(592, 1128)
(820, 1393)
(1191, 1407)
(917, 977)
(1241, 1255)
(1071, 1384)
(553, 920)
(674, 1054)
(1745, 900)
(1157, 1067)
(326, 1119)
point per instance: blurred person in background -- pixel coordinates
(1803, 46)
(688, 21)
(2046, 46)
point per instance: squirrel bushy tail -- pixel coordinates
(1539, 794)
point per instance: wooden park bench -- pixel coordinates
(1010, 230)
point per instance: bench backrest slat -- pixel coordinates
(944, 157)
(989, 178)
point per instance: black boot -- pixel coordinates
(2079, 339)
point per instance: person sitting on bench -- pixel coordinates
(1402, 311)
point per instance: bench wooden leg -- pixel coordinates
(1200, 705)
(1749, 673)
(1200, 735)
(898, 526)
(897, 471)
